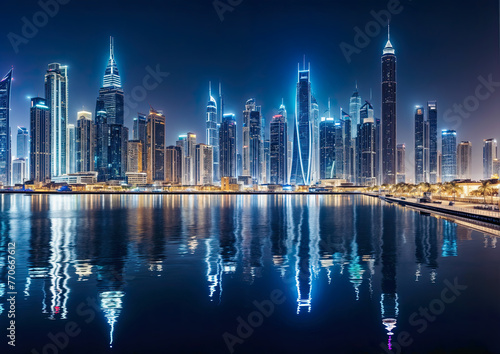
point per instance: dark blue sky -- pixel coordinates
(442, 49)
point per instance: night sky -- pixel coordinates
(442, 48)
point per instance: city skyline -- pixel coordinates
(193, 105)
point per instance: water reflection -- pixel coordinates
(311, 243)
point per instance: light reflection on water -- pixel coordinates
(110, 244)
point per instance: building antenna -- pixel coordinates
(371, 95)
(304, 65)
(329, 111)
(210, 89)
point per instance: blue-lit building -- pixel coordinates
(227, 146)
(40, 149)
(23, 137)
(156, 146)
(489, 156)
(85, 138)
(212, 127)
(327, 148)
(5, 149)
(56, 94)
(433, 141)
(253, 149)
(278, 150)
(420, 144)
(354, 111)
(118, 140)
(303, 134)
(449, 157)
(339, 151)
(367, 146)
(101, 142)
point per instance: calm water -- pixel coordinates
(266, 274)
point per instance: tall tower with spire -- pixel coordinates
(5, 148)
(389, 117)
(213, 131)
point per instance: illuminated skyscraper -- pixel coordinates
(464, 160)
(213, 131)
(420, 143)
(401, 171)
(5, 149)
(173, 164)
(85, 139)
(327, 148)
(188, 144)
(433, 138)
(355, 104)
(134, 156)
(489, 155)
(118, 139)
(22, 151)
(156, 146)
(101, 142)
(227, 146)
(111, 92)
(56, 94)
(278, 150)
(203, 166)
(303, 133)
(367, 145)
(389, 117)
(449, 158)
(252, 158)
(70, 148)
(40, 149)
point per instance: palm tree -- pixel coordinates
(454, 188)
(424, 187)
(485, 189)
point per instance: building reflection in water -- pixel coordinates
(449, 248)
(426, 245)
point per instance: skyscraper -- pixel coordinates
(252, 158)
(56, 94)
(303, 135)
(367, 145)
(118, 140)
(134, 156)
(420, 144)
(40, 149)
(449, 158)
(389, 117)
(227, 146)
(188, 144)
(401, 171)
(173, 164)
(70, 148)
(85, 140)
(18, 171)
(213, 131)
(111, 92)
(156, 146)
(101, 142)
(355, 104)
(327, 148)
(489, 155)
(203, 165)
(140, 133)
(433, 139)
(278, 150)
(5, 149)
(339, 150)
(22, 143)
(315, 120)
(464, 160)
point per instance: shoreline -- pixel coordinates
(176, 193)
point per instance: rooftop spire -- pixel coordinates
(111, 75)
(111, 48)
(388, 47)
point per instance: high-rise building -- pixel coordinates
(303, 134)
(5, 148)
(401, 171)
(56, 94)
(156, 146)
(140, 133)
(464, 160)
(204, 162)
(433, 141)
(70, 148)
(19, 171)
(489, 154)
(449, 158)
(420, 144)
(212, 125)
(315, 120)
(134, 156)
(339, 150)
(22, 151)
(389, 118)
(85, 141)
(40, 149)
(111, 92)
(227, 146)
(118, 140)
(23, 137)
(173, 164)
(367, 145)
(101, 142)
(278, 157)
(327, 148)
(252, 158)
(348, 157)
(378, 149)
(188, 144)
(355, 104)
